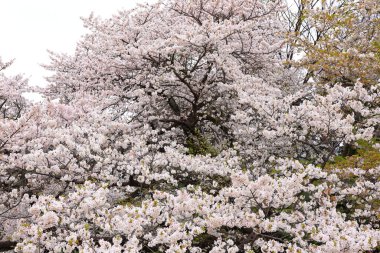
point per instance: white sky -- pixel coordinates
(29, 27)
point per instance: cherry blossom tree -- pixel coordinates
(11, 102)
(13, 124)
(176, 127)
(177, 67)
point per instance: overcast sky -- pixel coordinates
(29, 27)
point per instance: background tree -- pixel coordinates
(340, 40)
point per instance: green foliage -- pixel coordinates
(376, 45)
(365, 157)
(204, 240)
(129, 202)
(346, 45)
(198, 144)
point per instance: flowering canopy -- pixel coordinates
(176, 127)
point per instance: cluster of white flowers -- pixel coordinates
(296, 208)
